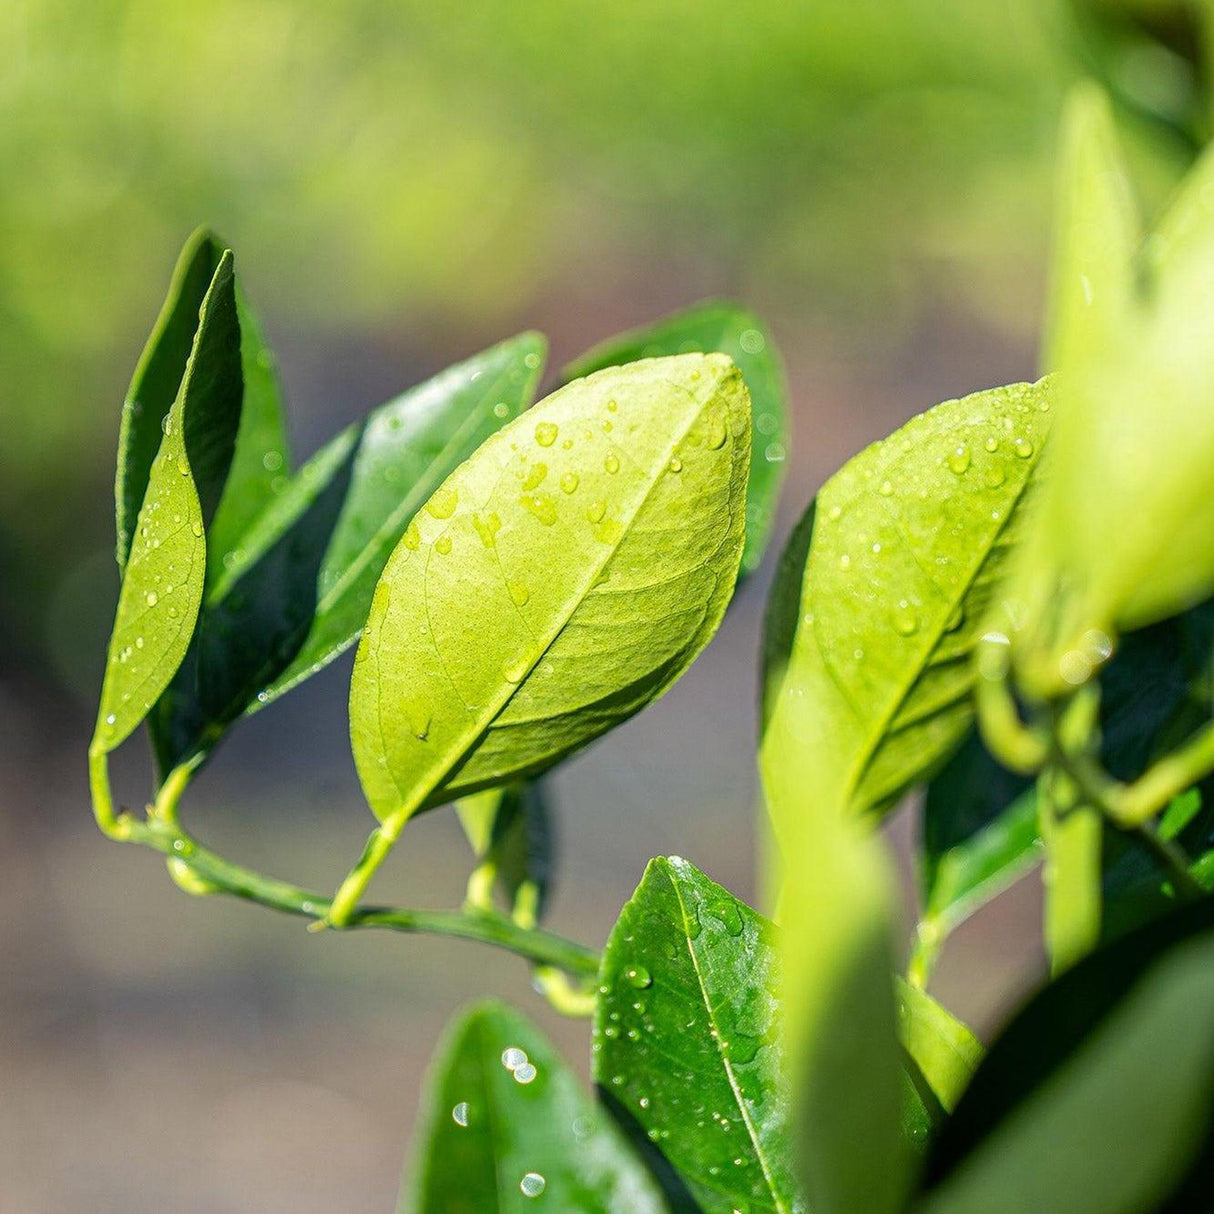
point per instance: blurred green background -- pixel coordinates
(405, 182)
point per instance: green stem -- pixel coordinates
(1017, 746)
(1149, 795)
(350, 891)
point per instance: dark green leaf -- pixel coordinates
(729, 330)
(1098, 1096)
(593, 548)
(157, 380)
(296, 591)
(163, 580)
(513, 1131)
(686, 1039)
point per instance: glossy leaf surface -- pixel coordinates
(686, 1046)
(882, 594)
(295, 593)
(556, 583)
(729, 330)
(1098, 1096)
(162, 584)
(508, 1128)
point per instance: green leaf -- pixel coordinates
(510, 828)
(686, 1048)
(507, 1124)
(163, 581)
(261, 462)
(555, 584)
(157, 380)
(944, 1051)
(295, 593)
(1098, 1096)
(731, 330)
(882, 595)
(1136, 435)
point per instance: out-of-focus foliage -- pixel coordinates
(443, 162)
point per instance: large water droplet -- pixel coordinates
(569, 482)
(717, 433)
(532, 1185)
(595, 512)
(417, 713)
(612, 463)
(513, 1057)
(519, 593)
(525, 1073)
(514, 671)
(443, 503)
(726, 913)
(535, 478)
(959, 459)
(545, 434)
(541, 506)
(151, 598)
(676, 464)
(638, 976)
(1023, 448)
(459, 1114)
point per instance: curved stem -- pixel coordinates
(380, 842)
(1017, 746)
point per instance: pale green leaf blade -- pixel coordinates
(261, 461)
(1096, 240)
(157, 380)
(945, 1051)
(686, 1040)
(872, 626)
(295, 592)
(728, 329)
(163, 582)
(514, 1132)
(556, 583)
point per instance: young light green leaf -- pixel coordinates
(162, 585)
(1097, 1096)
(157, 380)
(510, 830)
(731, 330)
(686, 1040)
(508, 1128)
(943, 1049)
(555, 584)
(261, 462)
(882, 595)
(295, 592)
(1136, 435)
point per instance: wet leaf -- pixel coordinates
(881, 597)
(163, 580)
(555, 584)
(731, 330)
(507, 1127)
(296, 591)
(686, 1048)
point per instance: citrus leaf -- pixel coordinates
(507, 1123)
(1098, 1096)
(944, 1050)
(511, 827)
(163, 581)
(296, 591)
(261, 461)
(882, 596)
(686, 1048)
(731, 330)
(555, 584)
(157, 380)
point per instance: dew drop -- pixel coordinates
(569, 482)
(717, 434)
(110, 720)
(442, 545)
(845, 561)
(443, 503)
(994, 476)
(487, 526)
(182, 466)
(532, 1184)
(525, 1073)
(751, 341)
(676, 464)
(513, 1057)
(612, 1031)
(541, 506)
(607, 427)
(774, 453)
(959, 459)
(834, 512)
(1075, 667)
(514, 671)
(886, 489)
(531, 361)
(151, 598)
(644, 1102)
(272, 461)
(1023, 448)
(638, 976)
(166, 423)
(412, 537)
(906, 622)
(459, 1114)
(545, 434)
(612, 463)
(608, 531)
(535, 478)
(596, 511)
(196, 528)
(743, 1048)
(727, 914)
(518, 593)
